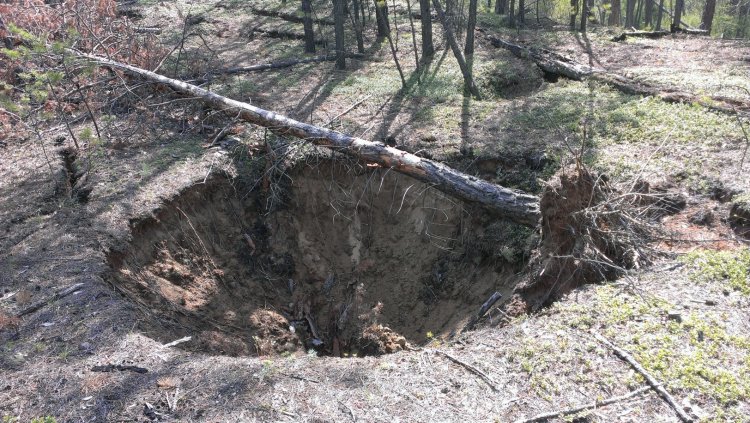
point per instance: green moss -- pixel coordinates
(729, 267)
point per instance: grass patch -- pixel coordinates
(726, 267)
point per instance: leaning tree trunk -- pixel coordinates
(428, 49)
(308, 25)
(707, 19)
(659, 15)
(465, 70)
(514, 205)
(338, 18)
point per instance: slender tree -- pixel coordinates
(522, 13)
(354, 14)
(707, 19)
(426, 15)
(470, 27)
(338, 20)
(465, 69)
(512, 14)
(584, 14)
(307, 22)
(413, 34)
(573, 14)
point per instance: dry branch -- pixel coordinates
(589, 406)
(641, 34)
(556, 64)
(650, 379)
(60, 294)
(495, 297)
(511, 204)
(470, 368)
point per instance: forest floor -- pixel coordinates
(171, 237)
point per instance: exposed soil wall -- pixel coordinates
(355, 260)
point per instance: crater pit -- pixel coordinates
(353, 261)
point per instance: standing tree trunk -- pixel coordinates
(629, 12)
(428, 49)
(308, 24)
(512, 14)
(500, 6)
(648, 16)
(413, 34)
(584, 15)
(338, 21)
(573, 14)
(465, 70)
(678, 6)
(659, 15)
(381, 17)
(615, 16)
(354, 13)
(470, 27)
(707, 19)
(521, 13)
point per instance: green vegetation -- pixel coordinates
(726, 267)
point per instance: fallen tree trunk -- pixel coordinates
(657, 34)
(641, 34)
(548, 61)
(289, 17)
(281, 64)
(514, 205)
(552, 63)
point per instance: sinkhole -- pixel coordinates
(353, 260)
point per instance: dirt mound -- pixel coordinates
(353, 260)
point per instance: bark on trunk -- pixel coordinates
(677, 18)
(465, 70)
(707, 19)
(338, 17)
(514, 205)
(381, 17)
(428, 50)
(614, 15)
(470, 27)
(308, 25)
(354, 13)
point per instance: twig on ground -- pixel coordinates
(177, 342)
(482, 311)
(650, 379)
(589, 406)
(352, 107)
(470, 368)
(60, 294)
(120, 367)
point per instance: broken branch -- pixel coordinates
(589, 406)
(650, 379)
